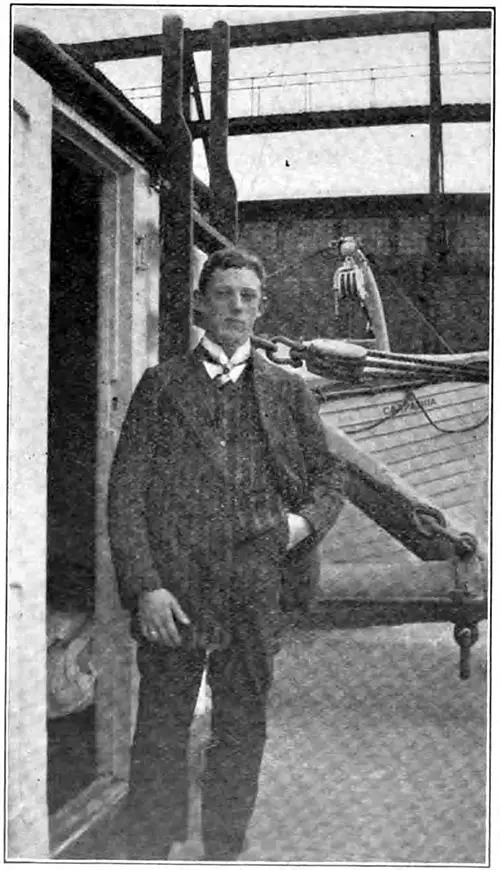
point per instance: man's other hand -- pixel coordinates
(298, 529)
(158, 612)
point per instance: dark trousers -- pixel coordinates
(239, 677)
(158, 799)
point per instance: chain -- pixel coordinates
(465, 544)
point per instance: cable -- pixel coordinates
(354, 430)
(443, 428)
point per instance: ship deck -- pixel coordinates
(376, 752)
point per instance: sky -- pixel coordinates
(338, 74)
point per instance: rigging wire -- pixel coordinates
(408, 71)
(264, 141)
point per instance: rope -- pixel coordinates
(410, 396)
(353, 430)
(443, 428)
(424, 318)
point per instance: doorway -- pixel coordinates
(71, 472)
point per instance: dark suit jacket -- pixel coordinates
(168, 403)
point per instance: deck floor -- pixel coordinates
(376, 752)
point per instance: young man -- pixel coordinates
(221, 471)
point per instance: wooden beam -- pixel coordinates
(326, 614)
(346, 27)
(223, 194)
(308, 30)
(98, 100)
(344, 118)
(198, 103)
(359, 206)
(176, 200)
(206, 236)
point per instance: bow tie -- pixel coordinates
(221, 369)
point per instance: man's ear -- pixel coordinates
(263, 306)
(198, 302)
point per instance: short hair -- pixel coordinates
(230, 258)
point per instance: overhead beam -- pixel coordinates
(374, 206)
(348, 118)
(98, 101)
(206, 236)
(284, 32)
(346, 27)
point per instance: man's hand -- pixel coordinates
(298, 529)
(158, 611)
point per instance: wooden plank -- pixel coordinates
(408, 418)
(452, 470)
(394, 442)
(471, 445)
(90, 807)
(385, 433)
(341, 119)
(430, 459)
(282, 32)
(447, 494)
(469, 441)
(448, 393)
(390, 437)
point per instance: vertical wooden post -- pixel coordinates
(436, 168)
(176, 199)
(436, 237)
(224, 202)
(186, 76)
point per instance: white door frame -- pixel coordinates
(37, 116)
(113, 653)
(27, 835)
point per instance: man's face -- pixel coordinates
(230, 306)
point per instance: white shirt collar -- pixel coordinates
(240, 355)
(215, 369)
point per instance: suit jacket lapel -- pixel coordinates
(274, 412)
(183, 388)
(281, 427)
